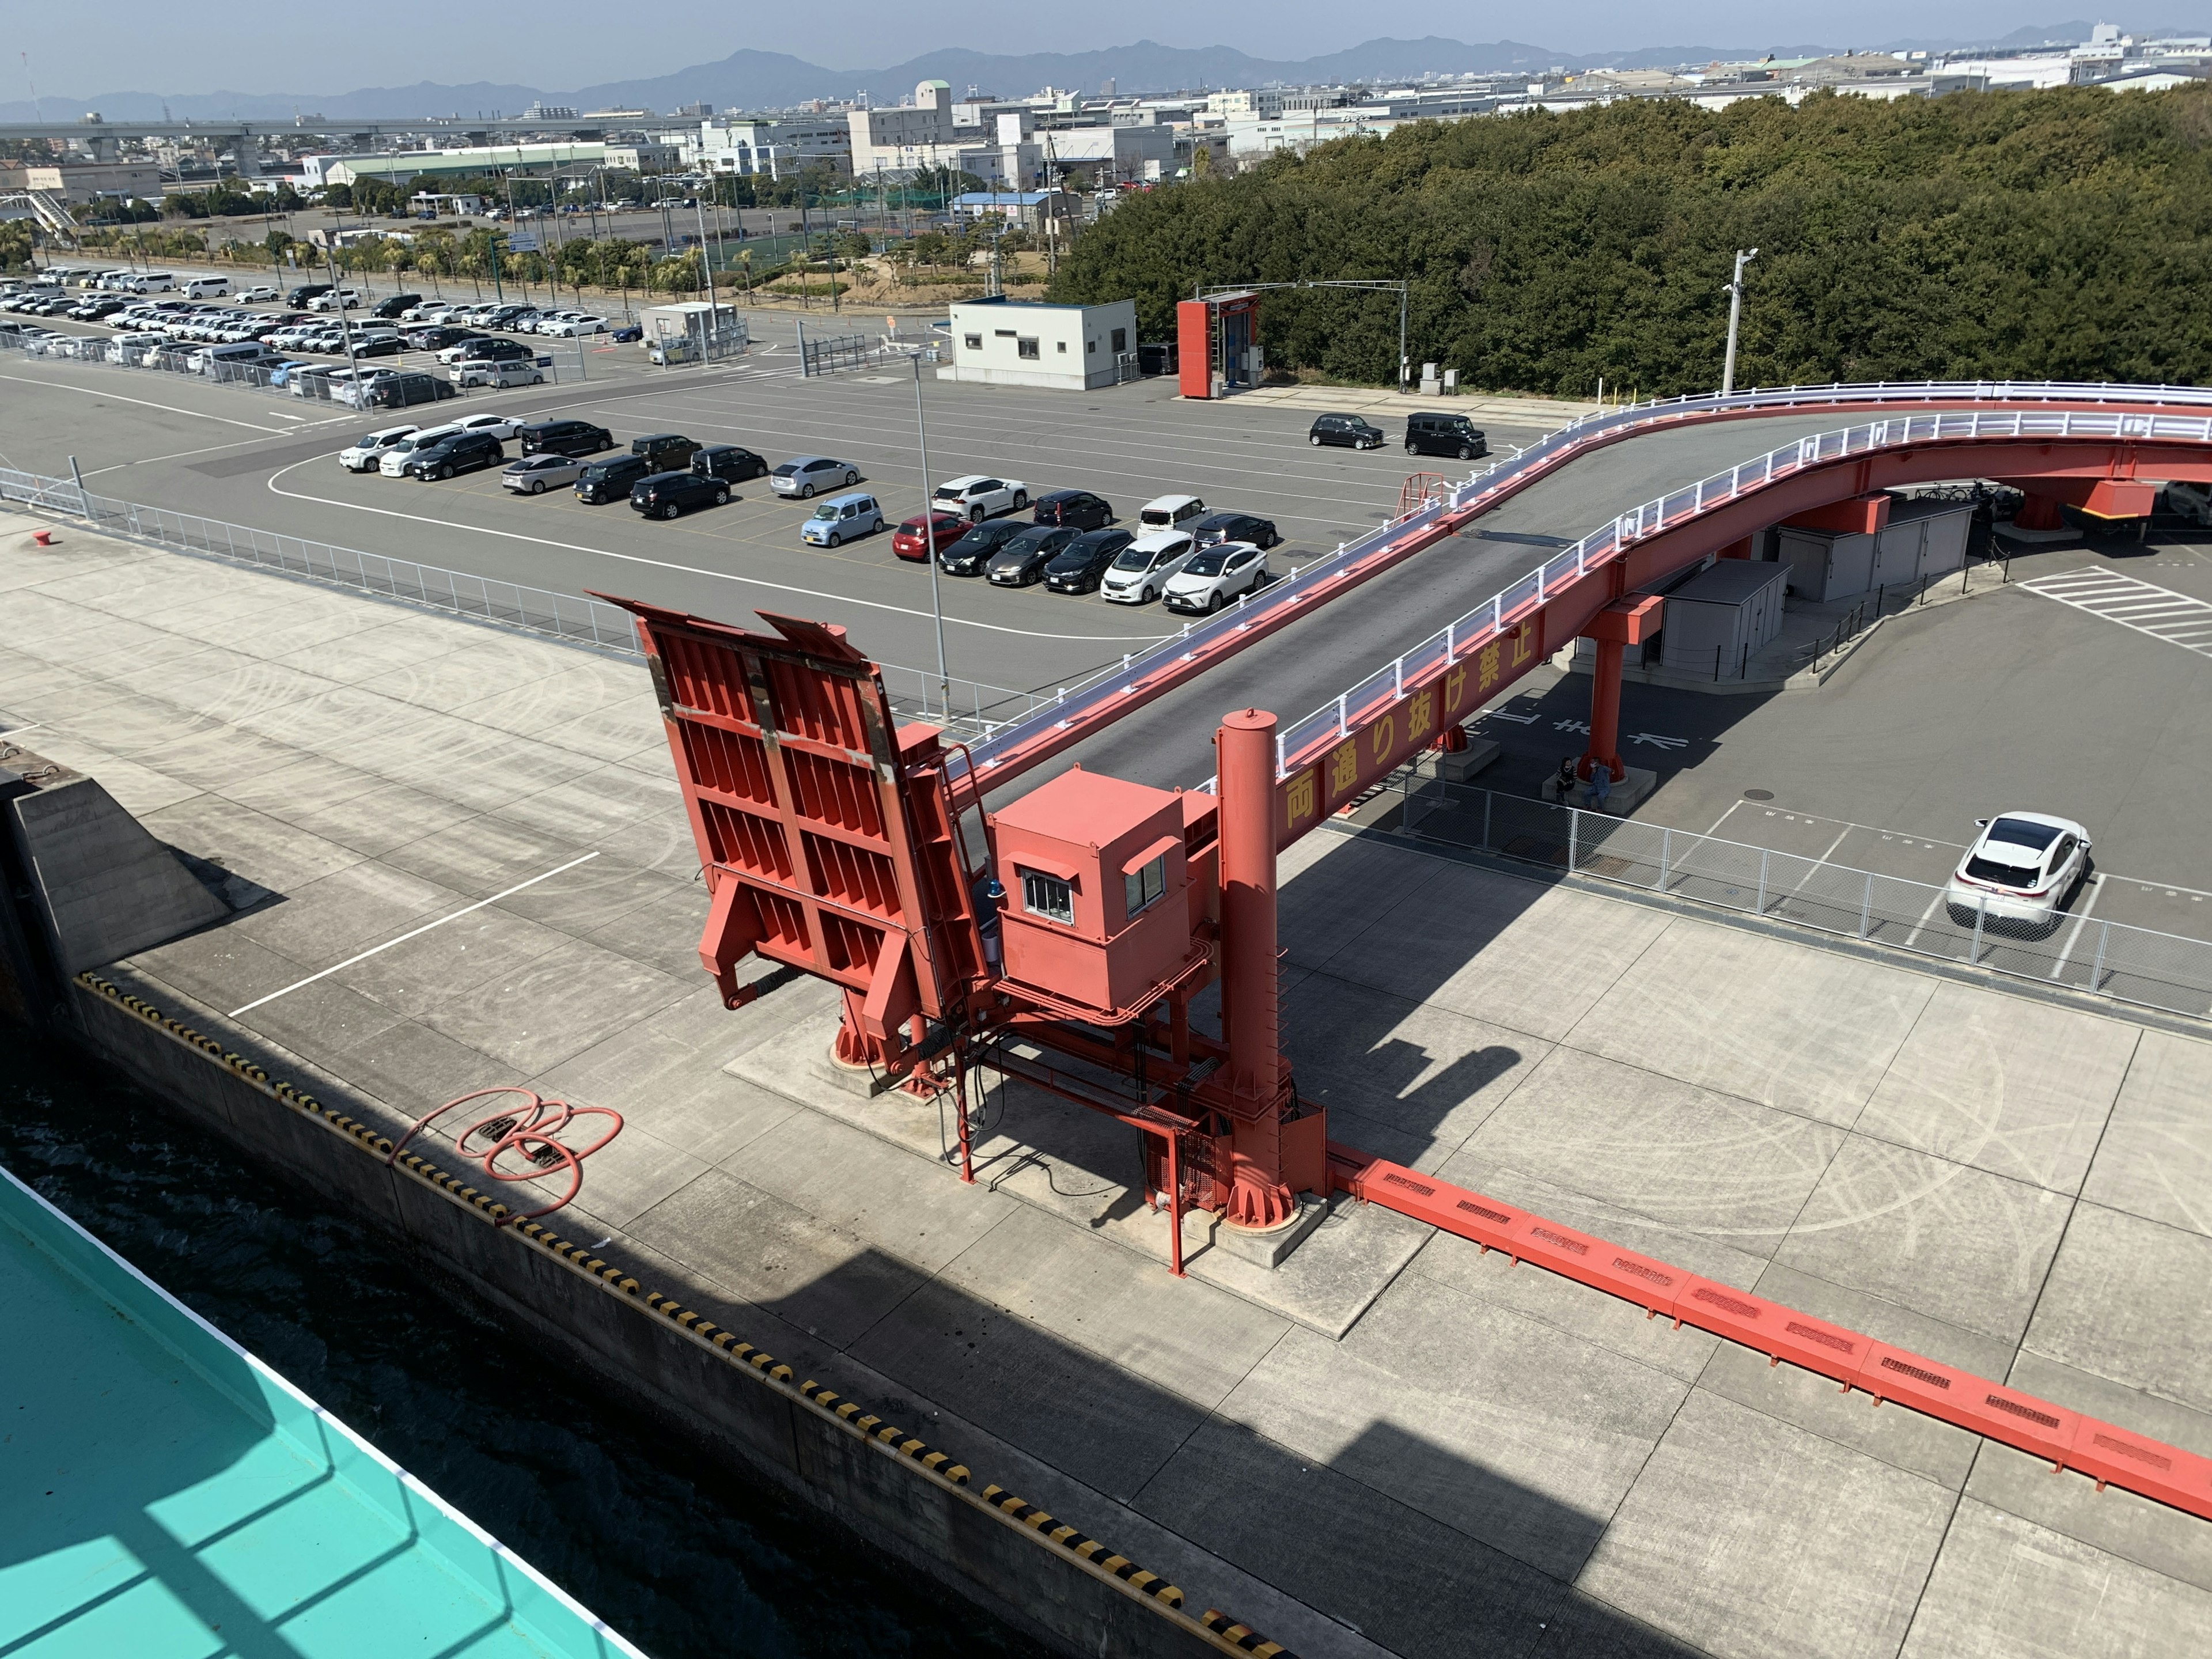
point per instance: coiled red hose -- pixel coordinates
(519, 1129)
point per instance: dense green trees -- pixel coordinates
(2064, 234)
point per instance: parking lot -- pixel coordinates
(271, 463)
(2007, 701)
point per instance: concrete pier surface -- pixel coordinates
(480, 874)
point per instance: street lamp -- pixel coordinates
(1734, 291)
(929, 536)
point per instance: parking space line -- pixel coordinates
(101, 392)
(2096, 892)
(2159, 613)
(415, 933)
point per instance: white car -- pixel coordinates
(1170, 513)
(1141, 571)
(257, 296)
(2020, 872)
(128, 349)
(394, 461)
(976, 496)
(505, 428)
(571, 327)
(363, 454)
(1214, 575)
(338, 299)
(502, 371)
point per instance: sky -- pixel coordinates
(158, 45)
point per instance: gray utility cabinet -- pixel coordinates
(1923, 538)
(1717, 621)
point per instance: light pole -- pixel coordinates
(714, 334)
(1734, 291)
(929, 540)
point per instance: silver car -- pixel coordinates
(534, 475)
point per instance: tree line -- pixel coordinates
(2063, 234)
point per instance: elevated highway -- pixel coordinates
(1412, 627)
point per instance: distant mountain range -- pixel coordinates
(749, 80)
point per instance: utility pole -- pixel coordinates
(712, 336)
(1734, 291)
(929, 540)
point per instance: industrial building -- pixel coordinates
(1027, 342)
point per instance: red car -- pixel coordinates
(945, 528)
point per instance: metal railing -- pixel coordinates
(1302, 740)
(320, 382)
(968, 709)
(2136, 965)
(1090, 695)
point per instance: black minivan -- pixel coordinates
(464, 452)
(1346, 431)
(565, 438)
(299, 296)
(728, 462)
(1444, 435)
(669, 452)
(610, 480)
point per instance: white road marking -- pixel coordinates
(181, 454)
(404, 938)
(692, 569)
(99, 392)
(2175, 618)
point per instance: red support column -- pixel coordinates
(2039, 513)
(1624, 623)
(1254, 1082)
(1605, 714)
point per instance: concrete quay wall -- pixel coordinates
(735, 1402)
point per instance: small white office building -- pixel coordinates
(1027, 342)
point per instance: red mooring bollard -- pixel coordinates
(43, 537)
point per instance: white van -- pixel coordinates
(152, 281)
(505, 372)
(206, 288)
(230, 361)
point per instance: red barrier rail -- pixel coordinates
(2107, 1454)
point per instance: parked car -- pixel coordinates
(1079, 566)
(2020, 873)
(206, 288)
(505, 428)
(376, 342)
(464, 452)
(671, 495)
(364, 453)
(338, 299)
(573, 327)
(282, 371)
(433, 336)
(534, 475)
(1213, 575)
(128, 349)
(842, 518)
(1237, 527)
(1021, 562)
(626, 333)
(1078, 508)
(970, 554)
(944, 529)
(804, 475)
(669, 452)
(402, 388)
(1444, 435)
(976, 496)
(502, 373)
(1170, 513)
(477, 345)
(260, 294)
(1344, 431)
(610, 480)
(394, 464)
(1140, 572)
(397, 306)
(566, 438)
(306, 291)
(729, 463)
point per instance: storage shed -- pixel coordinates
(1923, 538)
(1027, 342)
(1719, 619)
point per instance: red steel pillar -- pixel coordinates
(1624, 623)
(1256, 1084)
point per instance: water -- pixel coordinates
(681, 1559)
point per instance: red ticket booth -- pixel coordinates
(1218, 340)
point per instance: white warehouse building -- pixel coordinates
(1027, 342)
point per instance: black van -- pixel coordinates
(728, 462)
(566, 438)
(410, 386)
(669, 452)
(300, 296)
(464, 452)
(1444, 435)
(610, 480)
(398, 303)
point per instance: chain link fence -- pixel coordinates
(968, 709)
(2137, 965)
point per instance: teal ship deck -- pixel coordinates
(165, 1493)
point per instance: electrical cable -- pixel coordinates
(520, 1129)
